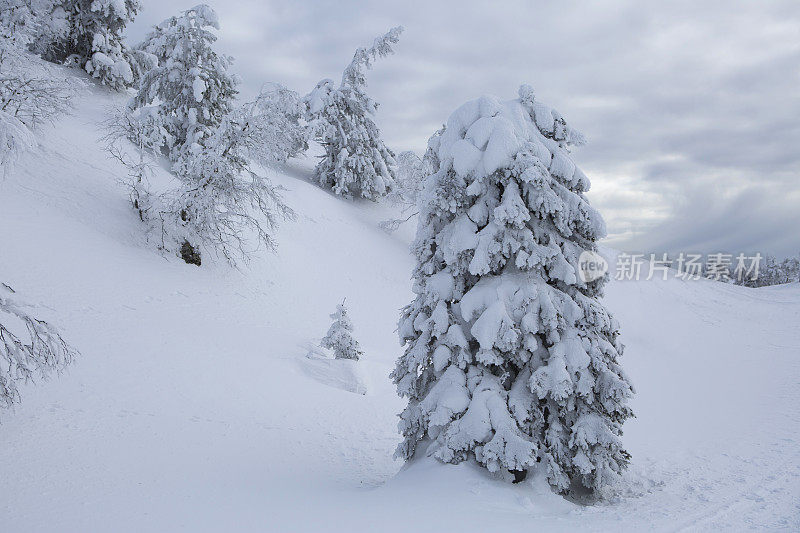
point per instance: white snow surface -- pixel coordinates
(345, 374)
(191, 409)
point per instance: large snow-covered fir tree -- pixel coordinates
(510, 359)
(93, 38)
(356, 162)
(340, 336)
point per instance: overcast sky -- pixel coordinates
(692, 109)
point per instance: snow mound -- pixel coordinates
(345, 374)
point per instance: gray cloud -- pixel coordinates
(692, 109)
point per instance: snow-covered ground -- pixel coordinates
(194, 406)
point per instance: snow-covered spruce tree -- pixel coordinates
(29, 348)
(94, 38)
(32, 24)
(791, 269)
(20, 20)
(184, 110)
(771, 272)
(191, 84)
(340, 336)
(356, 162)
(510, 358)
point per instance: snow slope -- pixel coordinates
(192, 407)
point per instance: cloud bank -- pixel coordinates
(692, 110)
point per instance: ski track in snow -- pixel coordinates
(188, 409)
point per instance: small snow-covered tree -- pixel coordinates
(144, 130)
(356, 162)
(29, 348)
(30, 92)
(791, 269)
(340, 336)
(278, 133)
(15, 139)
(94, 38)
(408, 181)
(411, 171)
(510, 358)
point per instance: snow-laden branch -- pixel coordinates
(354, 74)
(29, 348)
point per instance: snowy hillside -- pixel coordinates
(194, 406)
